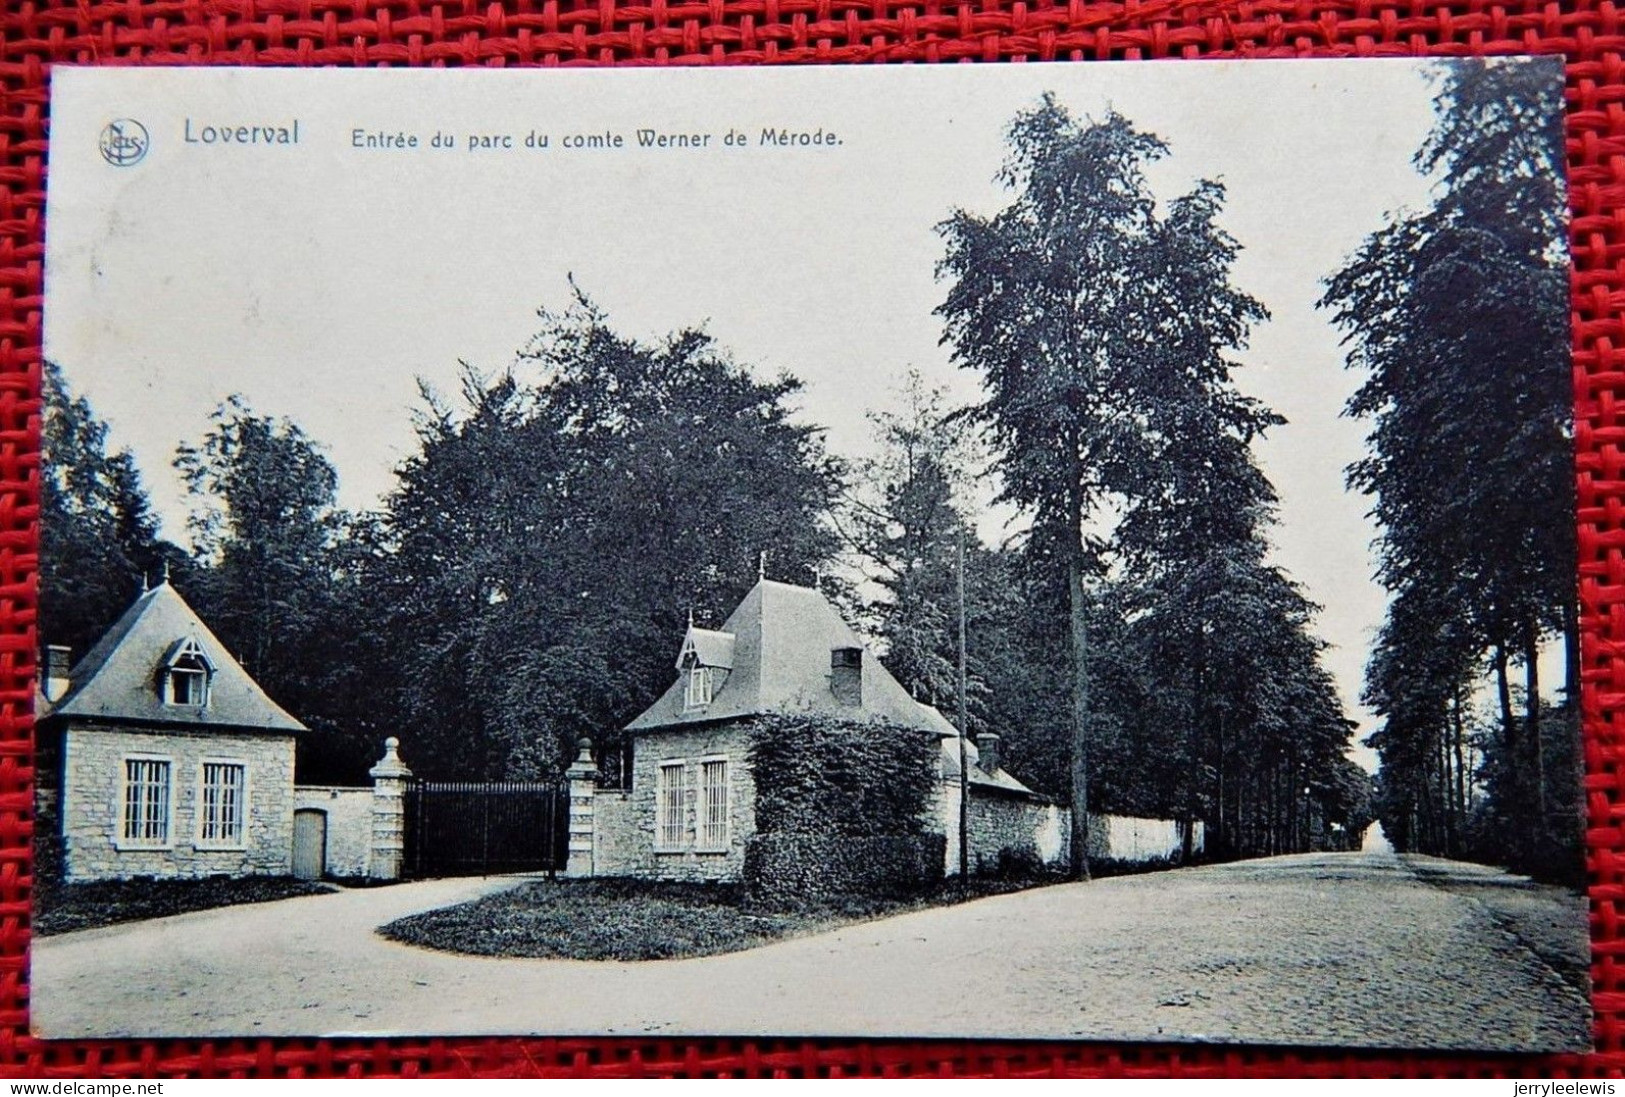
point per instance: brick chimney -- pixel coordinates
(846, 675)
(987, 746)
(58, 661)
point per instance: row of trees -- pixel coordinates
(1457, 317)
(526, 581)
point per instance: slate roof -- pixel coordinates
(999, 780)
(782, 636)
(117, 680)
(715, 649)
(782, 639)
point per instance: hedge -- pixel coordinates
(797, 870)
(820, 775)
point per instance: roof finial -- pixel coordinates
(818, 577)
(761, 566)
(166, 572)
(144, 580)
(690, 616)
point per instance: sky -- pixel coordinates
(321, 280)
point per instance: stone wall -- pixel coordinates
(1135, 841)
(1044, 831)
(349, 824)
(92, 803)
(619, 846)
(943, 818)
(624, 835)
(1028, 830)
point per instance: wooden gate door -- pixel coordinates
(309, 844)
(484, 828)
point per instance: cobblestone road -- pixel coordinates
(1360, 949)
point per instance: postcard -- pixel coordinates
(1054, 550)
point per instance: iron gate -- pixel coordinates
(484, 828)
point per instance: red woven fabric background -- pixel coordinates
(33, 36)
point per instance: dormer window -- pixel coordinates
(186, 676)
(846, 674)
(698, 693)
(188, 684)
(704, 662)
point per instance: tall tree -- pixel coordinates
(265, 519)
(903, 518)
(472, 535)
(274, 575)
(549, 540)
(98, 537)
(1192, 542)
(906, 510)
(1100, 329)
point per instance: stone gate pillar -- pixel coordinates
(389, 777)
(583, 779)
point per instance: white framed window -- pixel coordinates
(698, 693)
(146, 816)
(222, 804)
(713, 813)
(671, 817)
(186, 676)
(187, 686)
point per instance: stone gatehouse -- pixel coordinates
(690, 807)
(159, 756)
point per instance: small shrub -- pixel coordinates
(795, 871)
(1020, 863)
(1111, 866)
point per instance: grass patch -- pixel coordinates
(624, 919)
(63, 908)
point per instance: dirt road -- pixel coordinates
(1359, 949)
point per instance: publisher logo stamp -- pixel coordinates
(124, 142)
